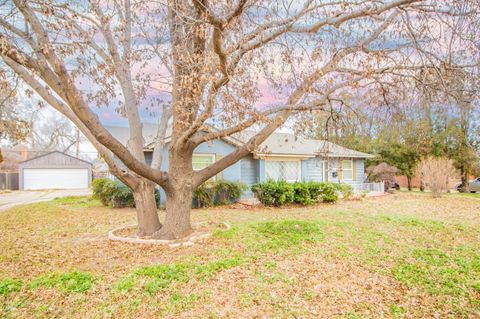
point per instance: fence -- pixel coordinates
(9, 180)
(377, 188)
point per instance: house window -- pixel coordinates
(347, 170)
(289, 171)
(201, 161)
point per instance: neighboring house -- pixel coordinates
(55, 170)
(281, 157)
(12, 156)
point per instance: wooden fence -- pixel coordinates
(9, 180)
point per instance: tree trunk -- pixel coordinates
(177, 219)
(179, 195)
(464, 178)
(146, 207)
(409, 182)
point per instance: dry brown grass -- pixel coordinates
(404, 255)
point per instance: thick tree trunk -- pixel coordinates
(146, 207)
(179, 195)
(409, 182)
(177, 219)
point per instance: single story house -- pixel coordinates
(283, 156)
(54, 170)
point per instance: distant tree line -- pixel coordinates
(422, 120)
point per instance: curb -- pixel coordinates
(170, 243)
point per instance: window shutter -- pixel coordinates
(217, 158)
(354, 170)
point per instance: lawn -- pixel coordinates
(403, 255)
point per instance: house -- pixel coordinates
(54, 170)
(281, 157)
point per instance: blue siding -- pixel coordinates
(360, 170)
(218, 147)
(312, 170)
(332, 167)
(249, 173)
(261, 171)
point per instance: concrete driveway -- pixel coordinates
(15, 198)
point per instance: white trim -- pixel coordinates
(324, 173)
(299, 167)
(294, 156)
(213, 156)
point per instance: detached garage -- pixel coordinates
(55, 170)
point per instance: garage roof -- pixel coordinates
(55, 159)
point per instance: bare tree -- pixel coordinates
(13, 126)
(209, 55)
(438, 174)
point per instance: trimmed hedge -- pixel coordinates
(272, 193)
(219, 192)
(279, 193)
(115, 194)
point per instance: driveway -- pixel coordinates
(15, 198)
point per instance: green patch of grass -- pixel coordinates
(397, 311)
(471, 195)
(285, 234)
(180, 302)
(77, 201)
(414, 222)
(161, 276)
(208, 270)
(227, 234)
(75, 281)
(439, 273)
(9, 285)
(152, 279)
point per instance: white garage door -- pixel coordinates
(55, 178)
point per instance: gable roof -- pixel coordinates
(122, 133)
(150, 131)
(70, 157)
(277, 144)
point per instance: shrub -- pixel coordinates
(302, 194)
(204, 196)
(220, 192)
(437, 174)
(329, 192)
(115, 194)
(315, 190)
(103, 190)
(346, 190)
(382, 173)
(122, 197)
(273, 193)
(227, 192)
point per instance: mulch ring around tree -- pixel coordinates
(201, 230)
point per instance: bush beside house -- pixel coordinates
(279, 193)
(115, 194)
(221, 192)
(270, 193)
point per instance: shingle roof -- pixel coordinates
(278, 144)
(288, 144)
(122, 133)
